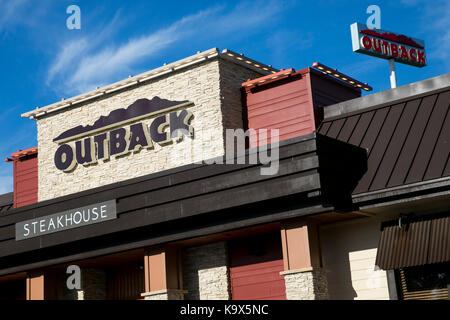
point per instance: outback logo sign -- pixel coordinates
(388, 45)
(119, 133)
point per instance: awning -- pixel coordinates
(419, 241)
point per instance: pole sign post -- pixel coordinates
(388, 45)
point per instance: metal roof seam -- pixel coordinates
(387, 147)
(420, 141)
(436, 142)
(403, 144)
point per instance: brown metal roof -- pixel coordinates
(420, 241)
(407, 140)
(6, 202)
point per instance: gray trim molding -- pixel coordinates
(408, 91)
(392, 285)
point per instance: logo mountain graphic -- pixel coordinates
(393, 37)
(139, 108)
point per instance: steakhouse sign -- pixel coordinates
(69, 219)
(388, 45)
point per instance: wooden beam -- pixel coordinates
(35, 286)
(162, 269)
(300, 244)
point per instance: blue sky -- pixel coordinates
(42, 61)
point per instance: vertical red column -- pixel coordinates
(280, 101)
(291, 101)
(255, 266)
(25, 164)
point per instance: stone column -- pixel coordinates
(304, 275)
(167, 294)
(205, 272)
(306, 284)
(163, 277)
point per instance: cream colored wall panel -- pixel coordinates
(371, 282)
(363, 254)
(349, 252)
(373, 294)
(362, 264)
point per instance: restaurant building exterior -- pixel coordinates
(137, 186)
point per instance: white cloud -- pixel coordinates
(411, 2)
(114, 60)
(434, 22)
(362, 70)
(83, 65)
(438, 22)
(66, 56)
(22, 12)
(9, 10)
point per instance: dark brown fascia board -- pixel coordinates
(169, 180)
(166, 213)
(145, 214)
(416, 218)
(411, 192)
(135, 220)
(136, 211)
(60, 255)
(185, 173)
(387, 97)
(440, 183)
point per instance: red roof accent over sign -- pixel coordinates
(22, 153)
(281, 74)
(25, 170)
(393, 37)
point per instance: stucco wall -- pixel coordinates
(213, 87)
(349, 250)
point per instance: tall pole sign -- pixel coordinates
(388, 45)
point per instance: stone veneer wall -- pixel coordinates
(165, 295)
(306, 285)
(213, 86)
(231, 78)
(205, 272)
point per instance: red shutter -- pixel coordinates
(255, 266)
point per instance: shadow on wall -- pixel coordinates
(349, 252)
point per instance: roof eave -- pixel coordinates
(388, 96)
(148, 75)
